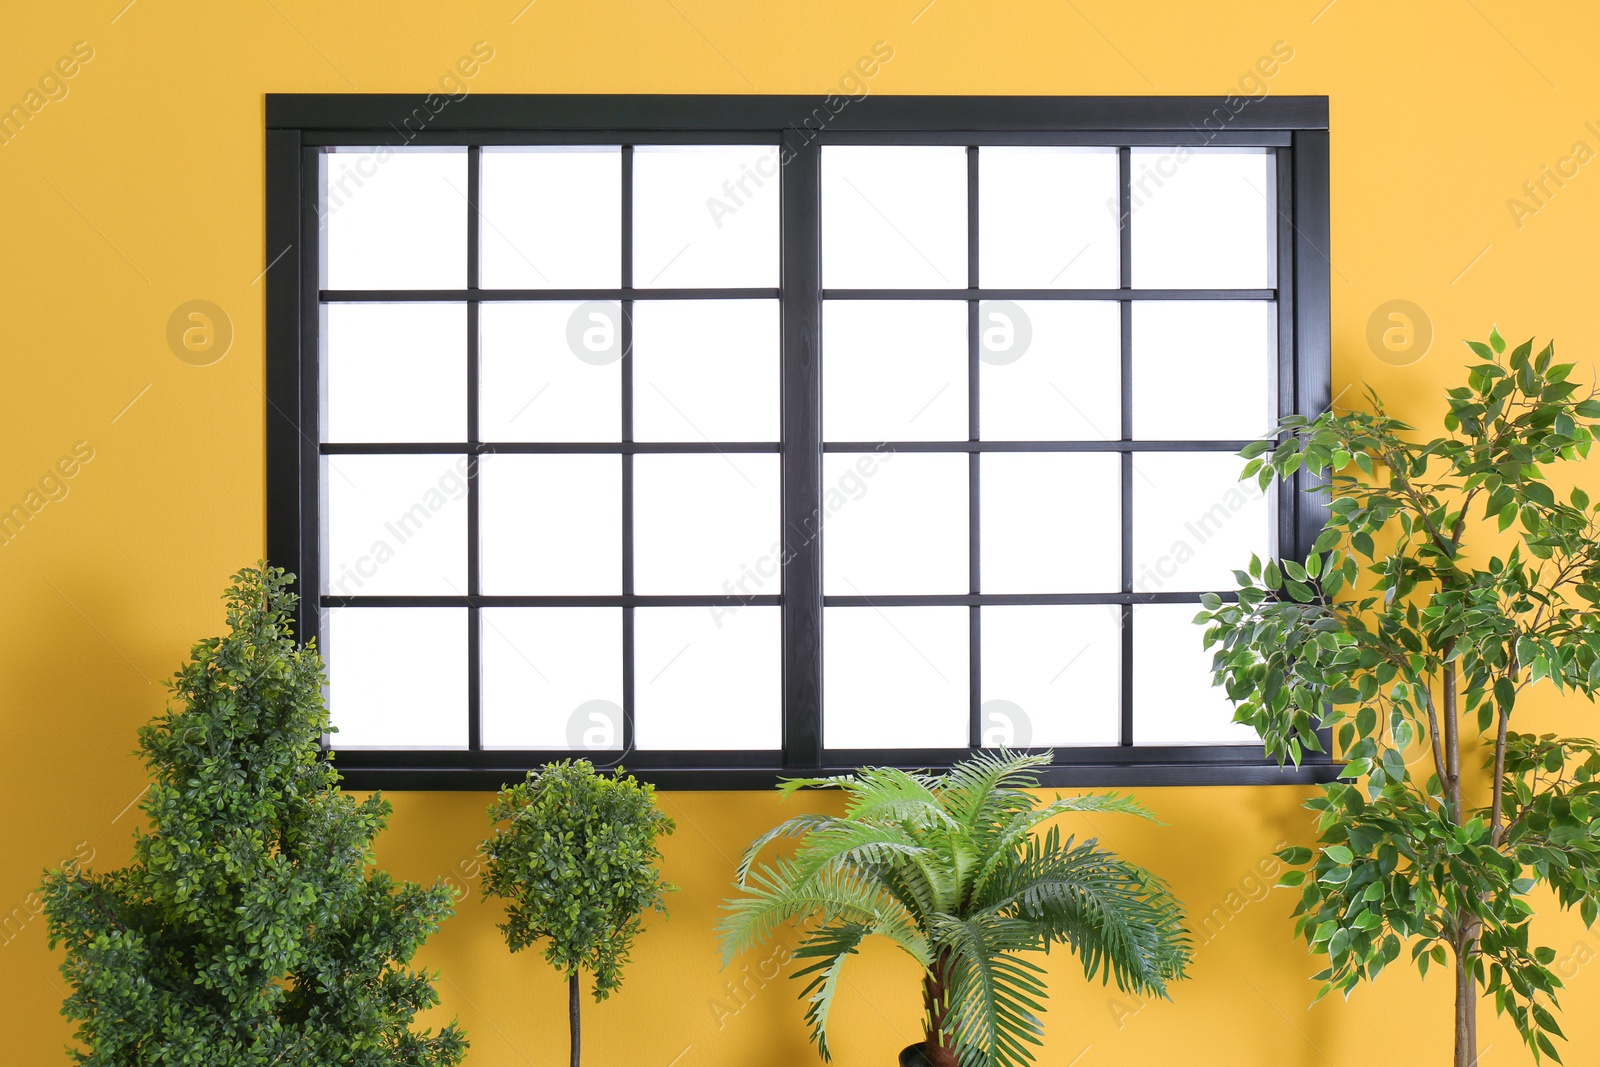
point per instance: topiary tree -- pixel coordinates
(1412, 647)
(576, 863)
(249, 930)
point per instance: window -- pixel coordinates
(735, 437)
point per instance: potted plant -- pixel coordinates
(1449, 579)
(249, 930)
(575, 860)
(954, 869)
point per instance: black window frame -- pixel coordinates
(300, 126)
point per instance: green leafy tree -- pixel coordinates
(249, 930)
(576, 862)
(1415, 651)
(954, 870)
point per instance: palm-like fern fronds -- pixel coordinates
(830, 946)
(996, 996)
(953, 869)
(1119, 919)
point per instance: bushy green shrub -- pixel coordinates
(250, 929)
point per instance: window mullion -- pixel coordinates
(474, 580)
(1125, 237)
(625, 339)
(800, 292)
(974, 533)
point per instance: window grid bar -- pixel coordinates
(1122, 293)
(1125, 348)
(974, 499)
(474, 294)
(474, 487)
(625, 338)
(575, 600)
(490, 448)
(693, 600)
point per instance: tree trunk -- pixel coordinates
(572, 1012)
(1466, 1013)
(935, 999)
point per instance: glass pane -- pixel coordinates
(396, 525)
(894, 370)
(1204, 218)
(895, 678)
(396, 372)
(705, 370)
(374, 703)
(1203, 369)
(552, 678)
(551, 525)
(1174, 702)
(1194, 522)
(708, 678)
(1047, 218)
(1052, 522)
(706, 523)
(550, 371)
(900, 527)
(894, 216)
(1049, 371)
(395, 218)
(1051, 676)
(705, 215)
(552, 217)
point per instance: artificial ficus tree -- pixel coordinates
(575, 858)
(1449, 579)
(250, 929)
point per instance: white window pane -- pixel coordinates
(550, 371)
(705, 215)
(552, 217)
(894, 370)
(396, 372)
(708, 678)
(1051, 522)
(900, 529)
(552, 678)
(706, 523)
(705, 370)
(396, 525)
(1052, 675)
(1203, 218)
(397, 677)
(1047, 218)
(1203, 369)
(1194, 522)
(1049, 371)
(895, 678)
(1174, 702)
(894, 216)
(551, 525)
(395, 218)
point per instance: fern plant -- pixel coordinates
(962, 872)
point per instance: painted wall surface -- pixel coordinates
(134, 185)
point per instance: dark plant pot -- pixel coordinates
(911, 1056)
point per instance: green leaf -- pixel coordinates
(1339, 854)
(1496, 341)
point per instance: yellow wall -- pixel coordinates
(141, 189)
